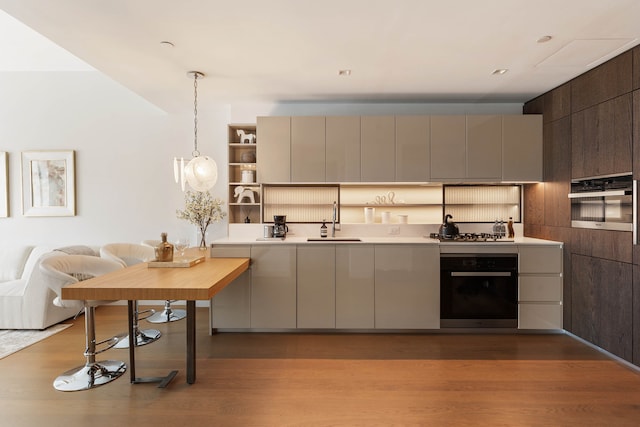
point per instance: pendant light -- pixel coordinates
(201, 173)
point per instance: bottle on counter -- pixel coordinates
(502, 231)
(496, 228)
(323, 229)
(512, 233)
(164, 251)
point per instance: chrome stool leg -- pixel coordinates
(91, 374)
(167, 315)
(143, 336)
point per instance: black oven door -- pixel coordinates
(479, 294)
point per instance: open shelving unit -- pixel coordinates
(242, 173)
(421, 203)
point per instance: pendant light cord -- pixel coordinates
(195, 153)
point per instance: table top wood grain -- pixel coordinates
(140, 282)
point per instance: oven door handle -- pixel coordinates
(481, 274)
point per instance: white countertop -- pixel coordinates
(298, 240)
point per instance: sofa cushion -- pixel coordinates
(12, 261)
(33, 259)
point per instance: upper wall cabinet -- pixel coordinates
(413, 162)
(448, 147)
(274, 149)
(377, 149)
(522, 148)
(601, 138)
(480, 148)
(342, 149)
(307, 149)
(484, 148)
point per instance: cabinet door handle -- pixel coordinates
(481, 274)
(634, 226)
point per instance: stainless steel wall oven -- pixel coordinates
(604, 202)
(478, 290)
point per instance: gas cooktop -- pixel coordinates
(471, 237)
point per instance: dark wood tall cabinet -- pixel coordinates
(601, 138)
(592, 127)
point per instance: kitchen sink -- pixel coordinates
(334, 239)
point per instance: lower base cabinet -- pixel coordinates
(540, 288)
(231, 307)
(366, 286)
(407, 287)
(355, 292)
(316, 278)
(273, 286)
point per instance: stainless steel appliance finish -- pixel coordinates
(479, 291)
(471, 237)
(604, 202)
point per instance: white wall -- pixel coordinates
(124, 147)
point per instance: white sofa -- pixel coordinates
(26, 302)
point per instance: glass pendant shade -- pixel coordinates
(201, 173)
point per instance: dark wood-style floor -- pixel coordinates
(326, 380)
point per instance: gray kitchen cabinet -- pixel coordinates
(413, 162)
(540, 287)
(273, 286)
(448, 147)
(274, 149)
(316, 277)
(484, 147)
(407, 287)
(231, 307)
(522, 148)
(342, 153)
(377, 149)
(355, 292)
(307, 149)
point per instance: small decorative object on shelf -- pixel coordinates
(247, 176)
(385, 199)
(201, 209)
(164, 251)
(248, 157)
(246, 138)
(240, 193)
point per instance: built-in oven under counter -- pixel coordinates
(479, 290)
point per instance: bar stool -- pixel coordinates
(57, 271)
(127, 254)
(167, 314)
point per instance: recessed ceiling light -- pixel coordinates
(544, 39)
(499, 71)
(166, 43)
(344, 72)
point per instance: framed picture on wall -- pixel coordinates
(4, 185)
(48, 183)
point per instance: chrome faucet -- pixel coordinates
(333, 222)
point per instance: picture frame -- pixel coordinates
(48, 183)
(4, 184)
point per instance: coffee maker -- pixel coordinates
(279, 226)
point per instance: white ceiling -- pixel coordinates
(291, 50)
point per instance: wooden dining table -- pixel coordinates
(201, 281)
